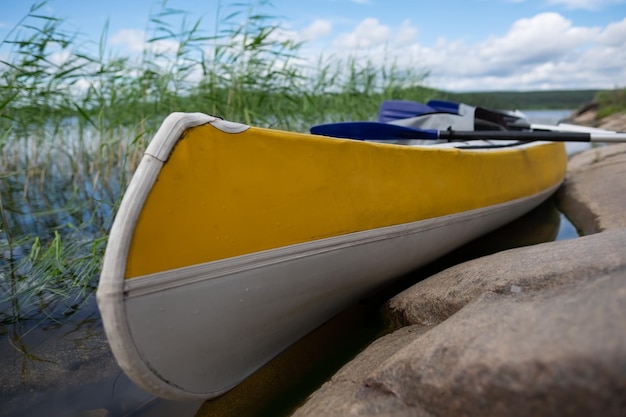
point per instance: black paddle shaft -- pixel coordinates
(454, 135)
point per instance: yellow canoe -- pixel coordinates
(232, 242)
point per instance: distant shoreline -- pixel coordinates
(527, 100)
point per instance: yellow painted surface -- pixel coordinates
(221, 195)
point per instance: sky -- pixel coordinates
(464, 45)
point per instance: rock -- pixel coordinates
(558, 351)
(507, 337)
(554, 264)
(588, 116)
(330, 399)
(588, 197)
(616, 122)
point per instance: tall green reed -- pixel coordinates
(75, 118)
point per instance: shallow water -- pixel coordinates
(547, 116)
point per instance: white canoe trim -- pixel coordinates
(176, 123)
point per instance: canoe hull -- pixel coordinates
(196, 331)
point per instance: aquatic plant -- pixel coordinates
(75, 118)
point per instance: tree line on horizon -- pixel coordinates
(529, 100)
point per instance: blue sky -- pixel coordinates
(466, 45)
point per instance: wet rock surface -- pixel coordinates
(537, 330)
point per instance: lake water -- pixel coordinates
(552, 117)
(547, 116)
(63, 366)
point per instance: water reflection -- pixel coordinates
(56, 201)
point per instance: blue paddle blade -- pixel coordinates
(444, 106)
(402, 109)
(372, 131)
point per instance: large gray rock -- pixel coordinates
(558, 351)
(337, 397)
(532, 331)
(593, 195)
(531, 269)
(588, 116)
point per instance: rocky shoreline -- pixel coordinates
(588, 116)
(538, 330)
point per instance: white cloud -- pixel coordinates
(61, 57)
(369, 33)
(133, 39)
(318, 29)
(614, 34)
(406, 34)
(546, 51)
(546, 36)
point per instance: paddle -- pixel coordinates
(482, 118)
(451, 106)
(386, 131)
(391, 110)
